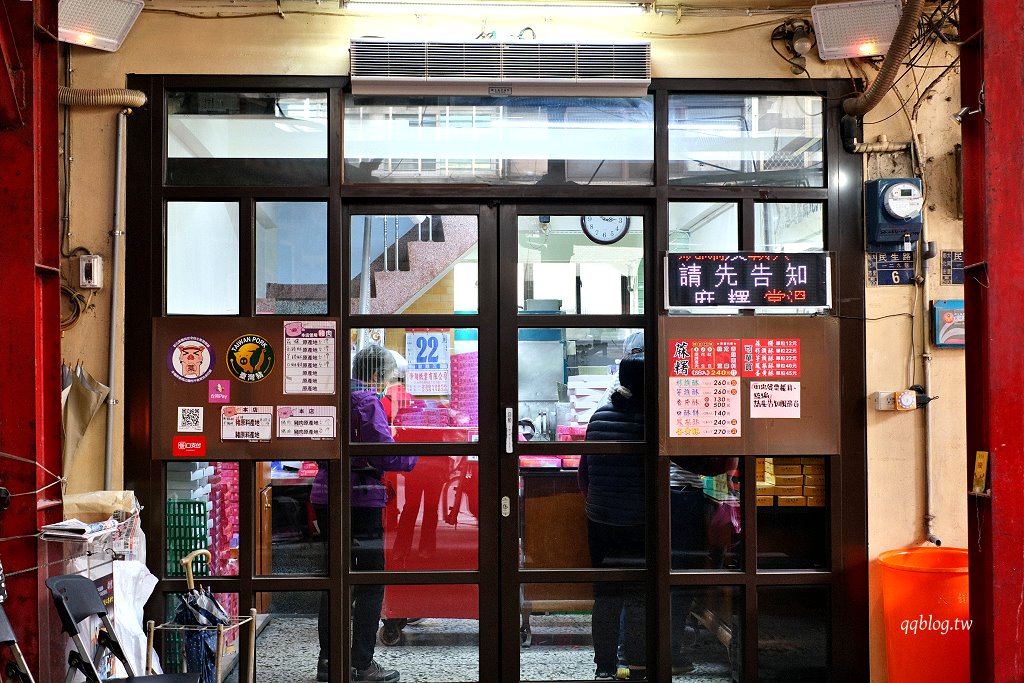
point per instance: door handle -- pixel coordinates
(509, 428)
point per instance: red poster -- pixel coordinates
(771, 358)
(704, 357)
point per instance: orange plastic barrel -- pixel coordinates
(927, 620)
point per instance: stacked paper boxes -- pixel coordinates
(794, 482)
(465, 389)
(587, 393)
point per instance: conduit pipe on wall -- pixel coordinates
(103, 97)
(110, 97)
(867, 100)
(927, 252)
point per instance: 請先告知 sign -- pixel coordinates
(747, 280)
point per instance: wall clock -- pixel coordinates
(605, 229)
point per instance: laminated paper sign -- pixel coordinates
(246, 423)
(775, 399)
(704, 389)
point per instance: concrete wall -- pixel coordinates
(312, 39)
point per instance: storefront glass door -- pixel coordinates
(508, 327)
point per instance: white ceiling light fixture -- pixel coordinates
(102, 24)
(863, 28)
(476, 7)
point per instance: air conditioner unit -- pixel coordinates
(483, 67)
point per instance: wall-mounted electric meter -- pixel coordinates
(893, 213)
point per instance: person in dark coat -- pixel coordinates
(372, 368)
(614, 487)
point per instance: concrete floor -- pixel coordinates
(445, 651)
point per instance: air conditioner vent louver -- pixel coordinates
(381, 66)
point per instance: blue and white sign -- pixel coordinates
(429, 370)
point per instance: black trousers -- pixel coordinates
(617, 546)
(367, 600)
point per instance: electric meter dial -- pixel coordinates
(903, 201)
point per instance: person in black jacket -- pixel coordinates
(614, 488)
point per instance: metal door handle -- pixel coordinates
(509, 429)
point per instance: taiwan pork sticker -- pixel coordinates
(190, 359)
(306, 422)
(775, 399)
(246, 423)
(250, 358)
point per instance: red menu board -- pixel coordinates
(771, 358)
(704, 357)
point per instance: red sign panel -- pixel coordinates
(771, 358)
(704, 357)
(189, 446)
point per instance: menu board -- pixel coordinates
(748, 385)
(236, 388)
(310, 352)
(704, 394)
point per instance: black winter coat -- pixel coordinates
(614, 484)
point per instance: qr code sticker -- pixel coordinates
(190, 419)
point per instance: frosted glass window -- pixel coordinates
(703, 227)
(789, 226)
(291, 258)
(219, 125)
(202, 258)
(746, 140)
(495, 140)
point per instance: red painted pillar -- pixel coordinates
(30, 320)
(994, 290)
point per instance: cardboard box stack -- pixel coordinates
(793, 482)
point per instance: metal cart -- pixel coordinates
(222, 631)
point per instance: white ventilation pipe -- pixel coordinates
(125, 99)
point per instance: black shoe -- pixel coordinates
(604, 675)
(373, 673)
(323, 668)
(681, 665)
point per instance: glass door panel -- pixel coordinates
(581, 500)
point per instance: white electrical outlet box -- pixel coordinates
(885, 400)
(90, 271)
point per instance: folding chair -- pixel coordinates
(77, 599)
(17, 670)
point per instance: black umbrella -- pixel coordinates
(201, 614)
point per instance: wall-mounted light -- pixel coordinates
(102, 24)
(863, 28)
(476, 7)
(796, 34)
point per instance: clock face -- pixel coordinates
(605, 229)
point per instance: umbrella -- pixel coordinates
(200, 611)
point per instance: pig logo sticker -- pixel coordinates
(190, 359)
(250, 358)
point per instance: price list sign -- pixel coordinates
(309, 357)
(306, 422)
(747, 279)
(246, 423)
(771, 358)
(704, 392)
